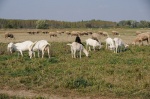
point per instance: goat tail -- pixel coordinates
(8, 49)
(31, 47)
(69, 44)
(48, 45)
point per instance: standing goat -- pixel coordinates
(119, 45)
(77, 47)
(20, 47)
(41, 45)
(92, 42)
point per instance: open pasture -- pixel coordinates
(103, 75)
(127, 35)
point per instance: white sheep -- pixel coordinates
(110, 43)
(20, 47)
(77, 47)
(42, 46)
(119, 45)
(92, 42)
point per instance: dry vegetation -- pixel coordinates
(103, 75)
(21, 35)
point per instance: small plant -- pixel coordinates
(4, 96)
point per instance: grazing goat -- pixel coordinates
(77, 47)
(119, 45)
(110, 43)
(93, 43)
(20, 47)
(8, 35)
(41, 45)
(142, 37)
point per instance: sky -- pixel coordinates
(76, 10)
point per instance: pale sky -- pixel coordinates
(76, 10)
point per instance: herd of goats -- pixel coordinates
(116, 44)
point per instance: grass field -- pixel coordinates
(103, 75)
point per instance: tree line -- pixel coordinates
(47, 24)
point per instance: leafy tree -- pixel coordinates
(41, 24)
(45, 24)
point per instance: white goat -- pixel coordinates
(41, 45)
(77, 47)
(93, 43)
(119, 45)
(110, 43)
(20, 47)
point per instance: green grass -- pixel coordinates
(126, 74)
